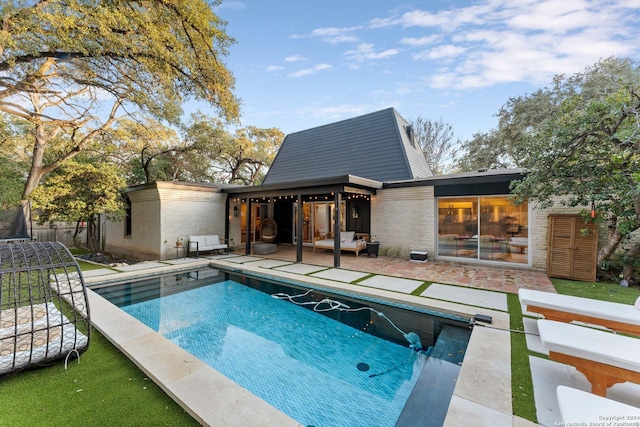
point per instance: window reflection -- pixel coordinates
(486, 228)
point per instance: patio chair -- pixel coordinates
(580, 406)
(44, 310)
(268, 230)
(565, 308)
(603, 357)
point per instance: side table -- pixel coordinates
(372, 249)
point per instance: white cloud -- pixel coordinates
(334, 35)
(420, 41)
(365, 52)
(308, 71)
(440, 52)
(274, 68)
(497, 41)
(295, 58)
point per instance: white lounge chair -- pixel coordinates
(566, 308)
(604, 358)
(582, 408)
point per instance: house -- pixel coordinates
(365, 174)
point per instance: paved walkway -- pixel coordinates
(503, 279)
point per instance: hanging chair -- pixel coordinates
(268, 230)
(44, 312)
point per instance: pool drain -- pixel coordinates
(363, 367)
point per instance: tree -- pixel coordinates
(13, 160)
(78, 192)
(141, 147)
(586, 148)
(437, 142)
(246, 155)
(485, 150)
(71, 67)
(11, 183)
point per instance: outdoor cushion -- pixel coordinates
(578, 406)
(212, 240)
(567, 308)
(347, 236)
(206, 243)
(350, 245)
(590, 344)
(603, 357)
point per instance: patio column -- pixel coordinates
(336, 230)
(299, 225)
(247, 240)
(226, 221)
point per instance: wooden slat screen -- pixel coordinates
(571, 253)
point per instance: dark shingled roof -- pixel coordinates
(376, 146)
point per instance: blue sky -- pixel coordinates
(300, 64)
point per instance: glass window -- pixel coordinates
(487, 228)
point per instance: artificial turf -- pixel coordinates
(105, 388)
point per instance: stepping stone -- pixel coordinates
(392, 283)
(300, 268)
(98, 272)
(467, 296)
(243, 259)
(141, 266)
(271, 263)
(340, 275)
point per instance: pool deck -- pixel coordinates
(482, 395)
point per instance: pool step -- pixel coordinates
(438, 378)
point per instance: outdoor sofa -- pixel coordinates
(205, 243)
(349, 241)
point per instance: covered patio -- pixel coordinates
(303, 211)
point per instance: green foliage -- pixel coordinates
(80, 191)
(150, 53)
(579, 142)
(485, 151)
(69, 68)
(12, 179)
(245, 156)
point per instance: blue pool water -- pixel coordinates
(300, 362)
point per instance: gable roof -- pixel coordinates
(375, 146)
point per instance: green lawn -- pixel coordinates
(522, 386)
(105, 388)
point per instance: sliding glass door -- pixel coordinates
(487, 228)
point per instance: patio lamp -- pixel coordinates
(593, 209)
(235, 211)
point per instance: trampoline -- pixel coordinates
(44, 311)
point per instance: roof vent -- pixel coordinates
(409, 130)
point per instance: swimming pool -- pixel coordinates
(307, 365)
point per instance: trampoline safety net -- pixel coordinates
(44, 311)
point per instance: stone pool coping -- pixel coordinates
(482, 395)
